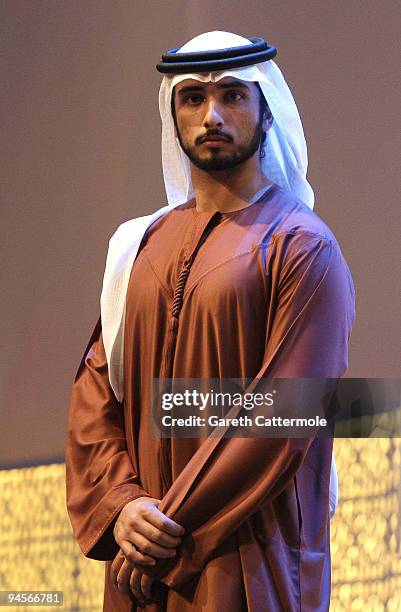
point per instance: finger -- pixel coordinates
(156, 535)
(163, 522)
(116, 566)
(146, 586)
(135, 585)
(123, 578)
(135, 556)
(148, 548)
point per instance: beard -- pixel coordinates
(220, 160)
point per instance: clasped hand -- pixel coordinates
(144, 535)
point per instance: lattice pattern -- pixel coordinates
(38, 551)
(365, 535)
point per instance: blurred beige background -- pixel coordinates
(81, 154)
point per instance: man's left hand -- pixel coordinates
(141, 585)
(129, 580)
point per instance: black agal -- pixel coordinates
(219, 59)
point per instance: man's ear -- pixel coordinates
(267, 116)
(267, 119)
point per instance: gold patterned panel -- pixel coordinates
(365, 532)
(38, 551)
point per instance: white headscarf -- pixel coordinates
(285, 163)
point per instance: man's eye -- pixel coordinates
(194, 99)
(234, 96)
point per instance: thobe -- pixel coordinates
(261, 291)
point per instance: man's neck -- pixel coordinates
(227, 190)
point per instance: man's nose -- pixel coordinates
(213, 116)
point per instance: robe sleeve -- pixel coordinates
(100, 476)
(308, 326)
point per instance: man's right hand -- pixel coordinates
(145, 534)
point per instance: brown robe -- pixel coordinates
(262, 291)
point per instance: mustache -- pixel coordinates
(213, 132)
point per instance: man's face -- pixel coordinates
(219, 124)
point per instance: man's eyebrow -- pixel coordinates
(232, 84)
(190, 88)
(229, 85)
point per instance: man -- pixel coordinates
(235, 278)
